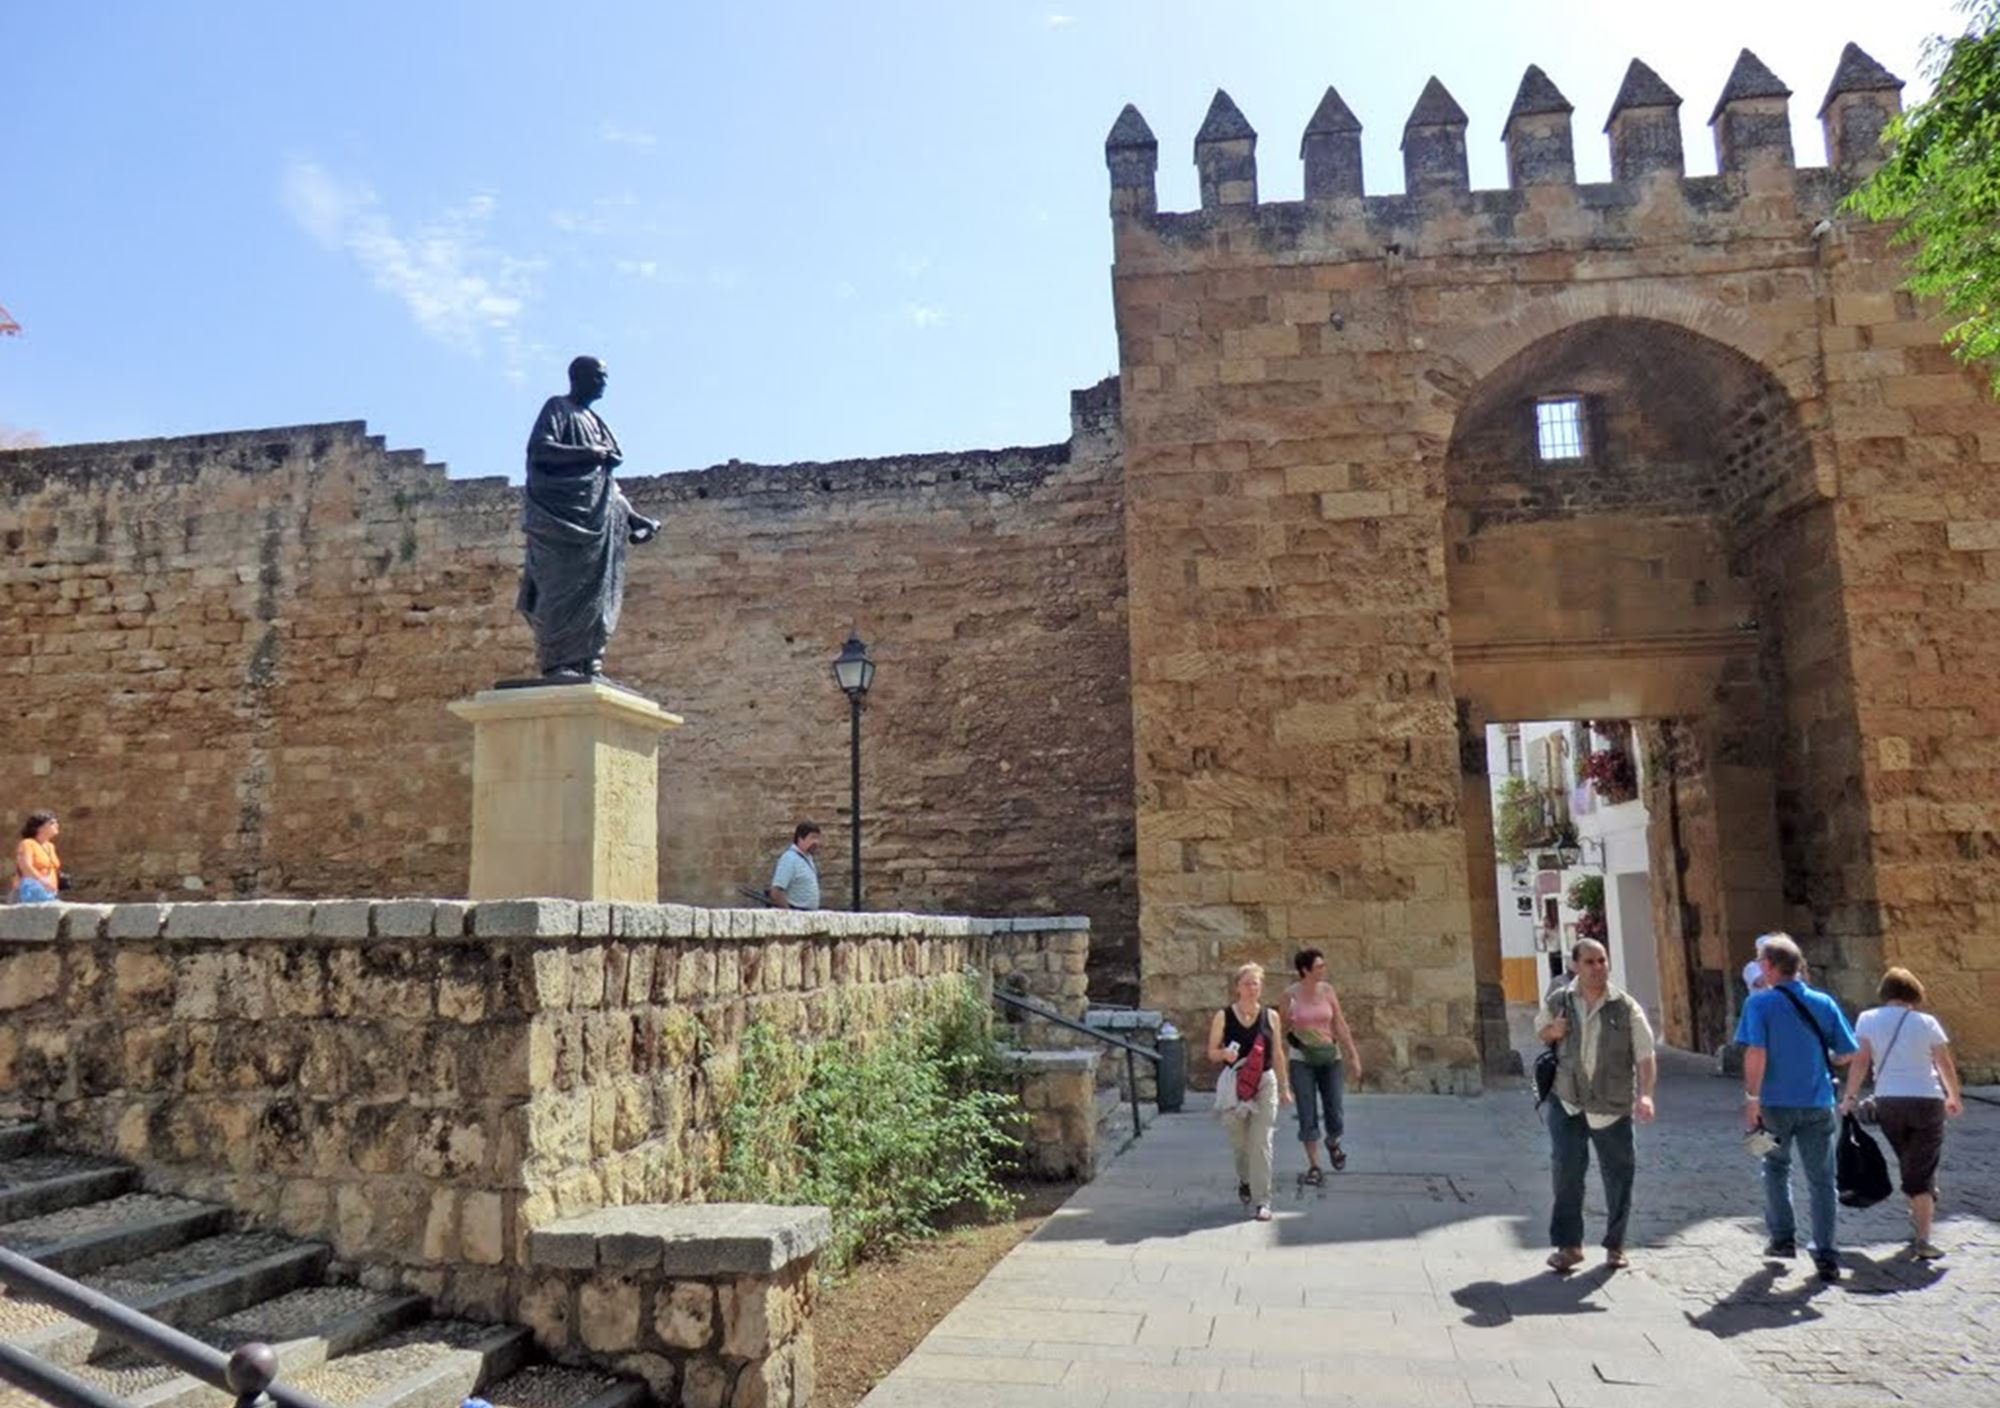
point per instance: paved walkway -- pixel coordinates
(1414, 1279)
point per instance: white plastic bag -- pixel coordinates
(1228, 1104)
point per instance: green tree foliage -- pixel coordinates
(891, 1134)
(1942, 180)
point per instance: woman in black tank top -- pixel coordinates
(1244, 1039)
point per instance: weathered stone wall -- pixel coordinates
(422, 1083)
(1295, 376)
(711, 1305)
(229, 655)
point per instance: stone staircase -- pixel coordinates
(191, 1265)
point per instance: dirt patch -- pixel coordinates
(868, 1323)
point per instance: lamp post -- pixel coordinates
(854, 672)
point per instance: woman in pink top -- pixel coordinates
(1316, 1026)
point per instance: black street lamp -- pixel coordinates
(854, 672)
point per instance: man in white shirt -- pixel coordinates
(1605, 1075)
(795, 880)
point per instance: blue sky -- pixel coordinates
(805, 231)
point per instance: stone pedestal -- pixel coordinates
(565, 792)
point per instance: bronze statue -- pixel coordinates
(577, 523)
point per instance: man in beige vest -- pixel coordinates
(1604, 1078)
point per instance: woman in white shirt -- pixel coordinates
(1916, 1087)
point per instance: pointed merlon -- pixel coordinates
(1129, 132)
(1537, 95)
(1749, 79)
(1642, 88)
(1857, 72)
(1225, 121)
(1332, 118)
(1436, 108)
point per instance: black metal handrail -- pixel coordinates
(1130, 1048)
(249, 1372)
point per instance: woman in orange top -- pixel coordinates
(37, 869)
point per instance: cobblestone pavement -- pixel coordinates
(1415, 1278)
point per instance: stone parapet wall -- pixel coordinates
(422, 1083)
(1058, 1091)
(230, 658)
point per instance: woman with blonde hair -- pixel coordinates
(1916, 1088)
(1246, 1041)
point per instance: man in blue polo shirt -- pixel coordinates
(1787, 1032)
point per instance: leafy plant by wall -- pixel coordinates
(891, 1134)
(1586, 896)
(1521, 821)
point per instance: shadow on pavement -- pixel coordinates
(1492, 1303)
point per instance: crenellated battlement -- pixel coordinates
(1751, 124)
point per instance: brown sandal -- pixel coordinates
(1565, 1259)
(1614, 1258)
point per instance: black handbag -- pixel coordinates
(1860, 1172)
(1550, 1060)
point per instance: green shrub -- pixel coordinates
(892, 1134)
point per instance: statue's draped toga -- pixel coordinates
(577, 523)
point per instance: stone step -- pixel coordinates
(39, 1183)
(306, 1327)
(551, 1386)
(188, 1285)
(436, 1364)
(18, 1139)
(81, 1239)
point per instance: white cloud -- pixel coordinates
(1059, 21)
(619, 135)
(924, 315)
(637, 268)
(458, 287)
(844, 291)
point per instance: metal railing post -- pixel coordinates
(247, 1374)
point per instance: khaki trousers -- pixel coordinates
(1250, 1139)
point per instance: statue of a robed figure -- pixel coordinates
(577, 523)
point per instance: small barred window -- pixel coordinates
(1559, 429)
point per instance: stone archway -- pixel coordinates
(1669, 573)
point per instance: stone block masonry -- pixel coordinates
(1347, 552)
(229, 658)
(710, 1304)
(422, 1084)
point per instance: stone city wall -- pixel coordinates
(422, 1083)
(228, 660)
(1302, 385)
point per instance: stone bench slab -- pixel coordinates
(684, 1239)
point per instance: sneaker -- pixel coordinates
(1780, 1247)
(1263, 1212)
(1828, 1268)
(1925, 1251)
(1243, 1194)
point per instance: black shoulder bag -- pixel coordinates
(1860, 1172)
(1550, 1060)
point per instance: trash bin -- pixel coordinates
(1173, 1069)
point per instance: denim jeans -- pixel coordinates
(1813, 1129)
(1570, 1141)
(1318, 1091)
